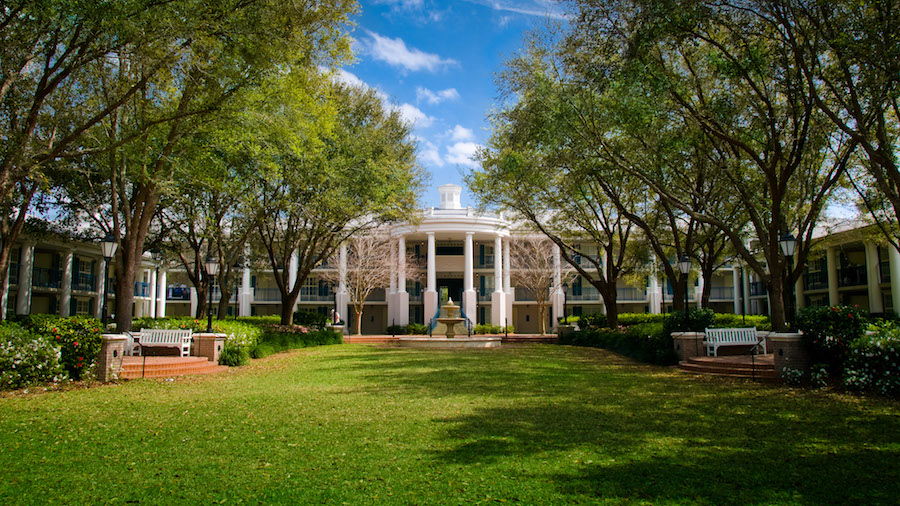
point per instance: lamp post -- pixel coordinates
(108, 247)
(788, 244)
(212, 268)
(684, 265)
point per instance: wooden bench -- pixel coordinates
(164, 338)
(730, 337)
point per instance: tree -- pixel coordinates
(48, 51)
(354, 171)
(131, 155)
(370, 264)
(534, 264)
(723, 71)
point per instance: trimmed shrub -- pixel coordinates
(629, 319)
(731, 321)
(242, 332)
(397, 330)
(592, 320)
(647, 342)
(873, 362)
(277, 338)
(310, 319)
(27, 358)
(569, 320)
(79, 339)
(828, 332)
(417, 329)
(487, 328)
(692, 320)
(234, 356)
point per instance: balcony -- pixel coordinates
(721, 293)
(217, 295)
(853, 275)
(484, 261)
(314, 297)
(885, 272)
(141, 289)
(587, 293)
(628, 293)
(586, 260)
(484, 297)
(42, 277)
(267, 294)
(174, 292)
(758, 288)
(815, 280)
(84, 282)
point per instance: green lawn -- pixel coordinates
(536, 424)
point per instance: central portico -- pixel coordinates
(457, 244)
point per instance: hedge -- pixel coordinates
(27, 358)
(79, 339)
(647, 342)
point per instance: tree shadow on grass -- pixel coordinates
(646, 433)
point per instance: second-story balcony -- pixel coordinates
(272, 294)
(42, 277)
(885, 268)
(84, 282)
(630, 294)
(484, 261)
(817, 280)
(852, 275)
(141, 289)
(176, 292)
(721, 293)
(758, 288)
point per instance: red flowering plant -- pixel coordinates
(78, 338)
(828, 332)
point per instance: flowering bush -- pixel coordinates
(79, 339)
(26, 358)
(873, 363)
(828, 332)
(793, 377)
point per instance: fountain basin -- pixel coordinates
(445, 343)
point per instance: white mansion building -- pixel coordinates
(461, 251)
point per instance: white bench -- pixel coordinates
(730, 337)
(163, 338)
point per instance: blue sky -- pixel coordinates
(436, 61)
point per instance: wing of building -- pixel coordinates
(463, 255)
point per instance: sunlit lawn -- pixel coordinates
(535, 423)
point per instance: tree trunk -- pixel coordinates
(202, 300)
(678, 292)
(125, 274)
(5, 252)
(287, 308)
(542, 316)
(612, 309)
(359, 315)
(776, 301)
(707, 287)
(224, 302)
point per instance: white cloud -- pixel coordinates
(460, 133)
(414, 116)
(463, 153)
(394, 52)
(436, 97)
(403, 4)
(540, 8)
(429, 154)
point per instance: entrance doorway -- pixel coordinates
(454, 288)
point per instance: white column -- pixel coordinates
(162, 292)
(510, 294)
(194, 302)
(873, 278)
(65, 288)
(470, 298)
(745, 280)
(402, 296)
(391, 295)
(831, 260)
(26, 266)
(736, 289)
(430, 298)
(100, 282)
(245, 302)
(154, 293)
(556, 290)
(895, 278)
(698, 296)
(498, 302)
(342, 297)
(654, 294)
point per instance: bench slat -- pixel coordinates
(725, 337)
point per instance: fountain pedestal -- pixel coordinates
(450, 318)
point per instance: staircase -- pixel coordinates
(760, 367)
(166, 367)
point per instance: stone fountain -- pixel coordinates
(449, 318)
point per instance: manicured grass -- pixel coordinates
(536, 424)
